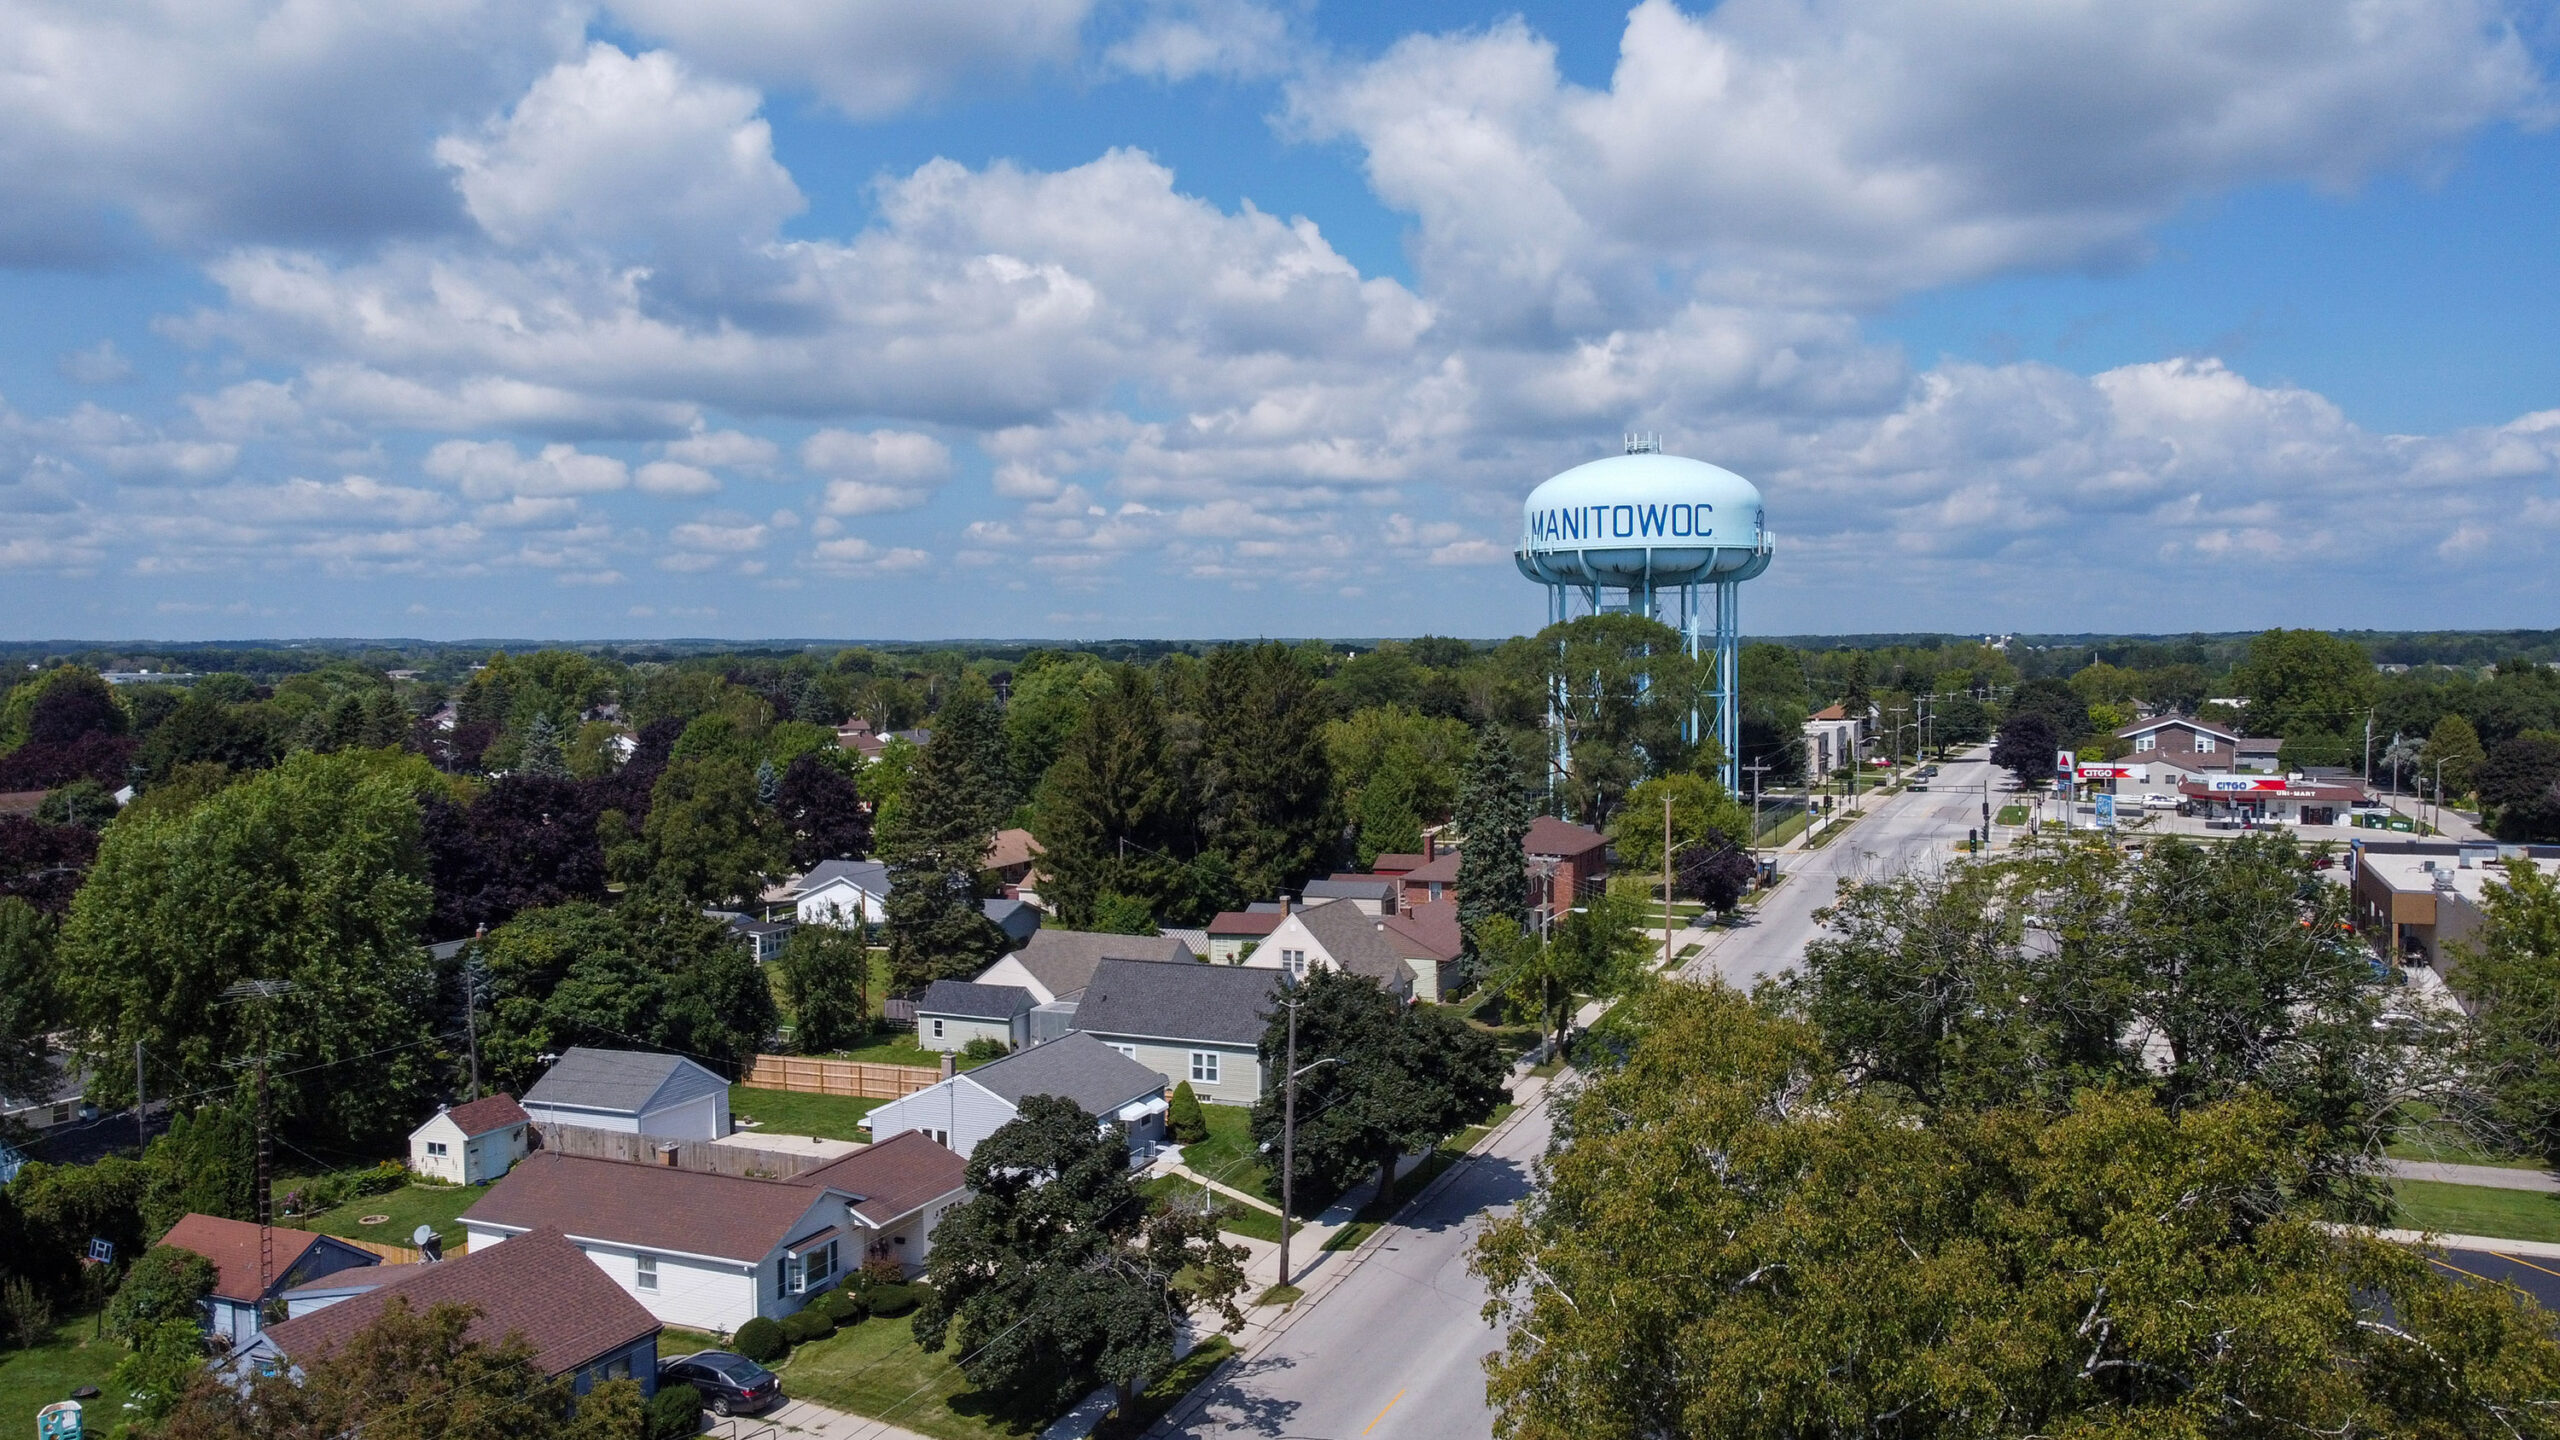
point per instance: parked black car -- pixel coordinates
(730, 1384)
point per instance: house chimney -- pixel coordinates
(1284, 904)
(1430, 846)
(948, 1068)
(667, 1155)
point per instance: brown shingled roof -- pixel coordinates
(1551, 836)
(896, 1177)
(538, 1285)
(232, 1246)
(653, 1206)
(492, 1112)
(1427, 932)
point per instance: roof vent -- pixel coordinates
(1643, 442)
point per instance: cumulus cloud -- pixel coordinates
(1813, 151)
(206, 122)
(667, 477)
(868, 473)
(1186, 39)
(629, 152)
(99, 364)
(493, 470)
(851, 555)
(724, 450)
(865, 57)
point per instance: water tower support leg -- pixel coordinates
(1729, 682)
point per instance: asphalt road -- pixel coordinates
(2536, 1276)
(1916, 828)
(1395, 1351)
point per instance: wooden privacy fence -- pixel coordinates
(400, 1254)
(688, 1154)
(858, 1079)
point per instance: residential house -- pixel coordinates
(56, 1102)
(1374, 894)
(1103, 1079)
(472, 1144)
(1009, 859)
(843, 893)
(951, 1013)
(634, 1091)
(2180, 750)
(1231, 933)
(240, 1294)
(856, 735)
(1433, 876)
(711, 1252)
(1018, 919)
(1428, 939)
(1201, 1023)
(763, 939)
(1832, 737)
(539, 1286)
(1567, 863)
(1056, 965)
(1337, 935)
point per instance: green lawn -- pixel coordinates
(897, 1047)
(2422, 1137)
(1234, 1216)
(2010, 815)
(788, 1112)
(33, 1379)
(1228, 1156)
(877, 1369)
(408, 1207)
(2476, 1210)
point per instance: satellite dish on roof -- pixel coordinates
(430, 1245)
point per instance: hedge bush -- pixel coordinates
(382, 1179)
(760, 1340)
(844, 1305)
(166, 1283)
(1182, 1116)
(890, 1301)
(810, 1322)
(674, 1413)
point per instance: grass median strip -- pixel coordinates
(2475, 1210)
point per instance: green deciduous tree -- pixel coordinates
(651, 972)
(826, 979)
(2305, 683)
(313, 874)
(1058, 1273)
(2511, 973)
(1266, 785)
(1407, 1076)
(207, 1164)
(2455, 746)
(1594, 952)
(1734, 1244)
(2027, 748)
(1628, 688)
(1701, 812)
(163, 1283)
(710, 838)
(27, 1005)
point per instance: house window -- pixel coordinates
(2204, 743)
(435, 1147)
(1294, 962)
(937, 1029)
(941, 1138)
(646, 1274)
(1129, 1050)
(815, 1267)
(2147, 742)
(62, 1114)
(1204, 1066)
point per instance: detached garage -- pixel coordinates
(632, 1091)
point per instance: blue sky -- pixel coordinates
(1216, 317)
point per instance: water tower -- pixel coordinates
(1646, 533)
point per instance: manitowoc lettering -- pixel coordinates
(1623, 522)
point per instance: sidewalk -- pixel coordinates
(804, 1417)
(2495, 1177)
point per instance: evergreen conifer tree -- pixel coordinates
(542, 756)
(1109, 815)
(1266, 782)
(1495, 806)
(935, 841)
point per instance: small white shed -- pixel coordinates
(471, 1144)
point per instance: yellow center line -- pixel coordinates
(2520, 1260)
(2458, 1270)
(1391, 1404)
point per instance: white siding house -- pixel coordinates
(632, 1091)
(1336, 935)
(843, 892)
(471, 1144)
(711, 1252)
(967, 1108)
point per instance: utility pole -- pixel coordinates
(471, 1005)
(1288, 1138)
(1897, 734)
(1757, 769)
(1666, 879)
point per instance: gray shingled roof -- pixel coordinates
(1357, 941)
(1211, 1004)
(632, 1082)
(974, 1002)
(1063, 960)
(869, 876)
(1077, 1066)
(1375, 889)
